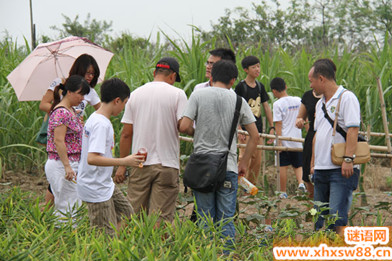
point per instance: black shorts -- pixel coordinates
(293, 158)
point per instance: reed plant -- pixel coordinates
(134, 62)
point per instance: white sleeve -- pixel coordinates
(351, 110)
(53, 85)
(181, 104)
(92, 98)
(277, 113)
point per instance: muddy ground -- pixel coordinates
(377, 187)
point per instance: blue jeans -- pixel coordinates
(220, 206)
(336, 191)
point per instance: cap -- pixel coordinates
(172, 64)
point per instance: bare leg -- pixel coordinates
(49, 198)
(298, 174)
(254, 165)
(283, 178)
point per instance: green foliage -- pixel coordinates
(313, 25)
(134, 62)
(94, 30)
(27, 232)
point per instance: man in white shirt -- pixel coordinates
(151, 119)
(333, 185)
(215, 55)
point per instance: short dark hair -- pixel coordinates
(224, 54)
(224, 71)
(80, 67)
(249, 61)
(113, 88)
(278, 84)
(326, 68)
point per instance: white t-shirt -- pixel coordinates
(349, 116)
(94, 183)
(154, 110)
(286, 110)
(92, 98)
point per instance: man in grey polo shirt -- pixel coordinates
(333, 185)
(213, 110)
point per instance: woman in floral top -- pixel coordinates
(86, 66)
(64, 143)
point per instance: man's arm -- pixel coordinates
(301, 117)
(351, 146)
(125, 149)
(312, 158)
(250, 148)
(186, 126)
(278, 129)
(268, 113)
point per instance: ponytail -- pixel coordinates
(72, 84)
(56, 95)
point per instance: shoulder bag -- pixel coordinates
(338, 150)
(206, 172)
(42, 136)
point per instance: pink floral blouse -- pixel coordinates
(73, 136)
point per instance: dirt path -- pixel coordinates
(377, 185)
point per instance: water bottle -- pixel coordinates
(247, 185)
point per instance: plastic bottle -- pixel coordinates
(249, 187)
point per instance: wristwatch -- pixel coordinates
(348, 159)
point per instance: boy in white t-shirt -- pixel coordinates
(285, 111)
(105, 202)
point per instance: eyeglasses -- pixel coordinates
(209, 63)
(90, 74)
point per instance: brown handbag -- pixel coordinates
(338, 150)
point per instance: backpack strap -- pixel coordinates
(245, 89)
(258, 86)
(235, 118)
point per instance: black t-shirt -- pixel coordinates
(310, 101)
(255, 97)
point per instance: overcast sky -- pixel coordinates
(138, 17)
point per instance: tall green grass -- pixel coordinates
(134, 63)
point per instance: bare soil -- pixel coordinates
(377, 187)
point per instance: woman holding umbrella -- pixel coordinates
(86, 66)
(64, 144)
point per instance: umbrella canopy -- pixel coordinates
(32, 77)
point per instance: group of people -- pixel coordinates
(80, 155)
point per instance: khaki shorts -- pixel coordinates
(154, 188)
(104, 214)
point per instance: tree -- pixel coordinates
(309, 24)
(94, 30)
